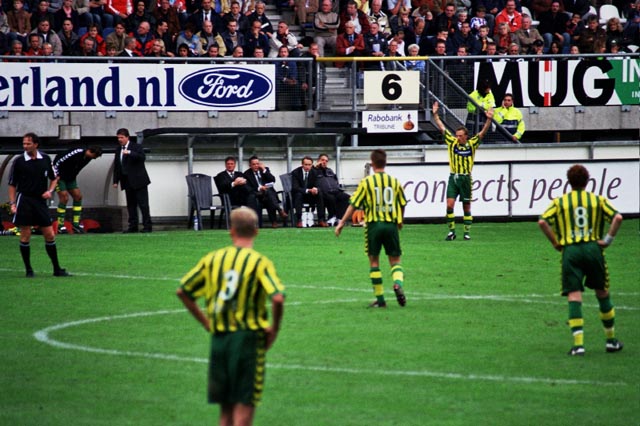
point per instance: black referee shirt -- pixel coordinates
(31, 177)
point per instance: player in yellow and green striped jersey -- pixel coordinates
(574, 224)
(382, 198)
(235, 283)
(462, 151)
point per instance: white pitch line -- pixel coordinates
(43, 336)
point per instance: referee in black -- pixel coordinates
(32, 182)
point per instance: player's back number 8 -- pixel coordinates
(391, 89)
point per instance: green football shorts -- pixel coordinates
(459, 185)
(379, 234)
(237, 367)
(64, 185)
(583, 263)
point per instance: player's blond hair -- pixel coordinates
(244, 222)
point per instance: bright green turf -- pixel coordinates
(482, 341)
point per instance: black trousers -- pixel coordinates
(138, 199)
(317, 200)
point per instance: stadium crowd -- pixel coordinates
(341, 27)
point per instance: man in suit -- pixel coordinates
(132, 175)
(130, 48)
(261, 182)
(232, 182)
(304, 186)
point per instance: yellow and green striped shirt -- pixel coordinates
(381, 197)
(578, 217)
(235, 283)
(461, 156)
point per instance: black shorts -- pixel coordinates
(31, 211)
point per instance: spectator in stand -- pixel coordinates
(440, 48)
(287, 87)
(479, 19)
(47, 35)
(349, 44)
(232, 37)
(139, 16)
(67, 11)
(415, 65)
(326, 24)
(419, 36)
(465, 38)
(209, 35)
(484, 39)
(117, 37)
(483, 97)
(632, 29)
(357, 17)
(157, 50)
(399, 39)
(538, 7)
(377, 15)
(393, 6)
(87, 47)
(256, 38)
(614, 31)
(305, 189)
(162, 33)
(307, 86)
(236, 14)
(15, 50)
(259, 15)
(510, 118)
(526, 36)
(19, 22)
(144, 37)
(575, 25)
(492, 7)
(169, 14)
(40, 13)
(335, 199)
(34, 45)
(207, 13)
(403, 21)
(503, 37)
(555, 48)
(304, 10)
(511, 16)
(282, 37)
(447, 19)
(214, 52)
(98, 11)
(119, 9)
(375, 45)
(492, 50)
(591, 36)
(553, 27)
(99, 46)
(461, 16)
(130, 48)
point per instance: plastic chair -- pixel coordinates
(534, 23)
(201, 198)
(608, 11)
(287, 197)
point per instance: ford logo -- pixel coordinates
(225, 87)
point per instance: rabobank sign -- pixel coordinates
(226, 87)
(141, 87)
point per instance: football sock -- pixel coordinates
(608, 317)
(576, 323)
(451, 220)
(467, 220)
(52, 251)
(25, 251)
(77, 211)
(397, 274)
(61, 210)
(376, 281)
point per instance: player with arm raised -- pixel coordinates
(462, 151)
(382, 198)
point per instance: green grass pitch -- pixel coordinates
(482, 340)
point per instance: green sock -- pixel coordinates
(61, 210)
(77, 211)
(397, 273)
(451, 220)
(467, 221)
(576, 323)
(376, 280)
(608, 317)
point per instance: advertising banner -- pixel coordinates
(391, 87)
(515, 189)
(558, 83)
(392, 121)
(143, 87)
